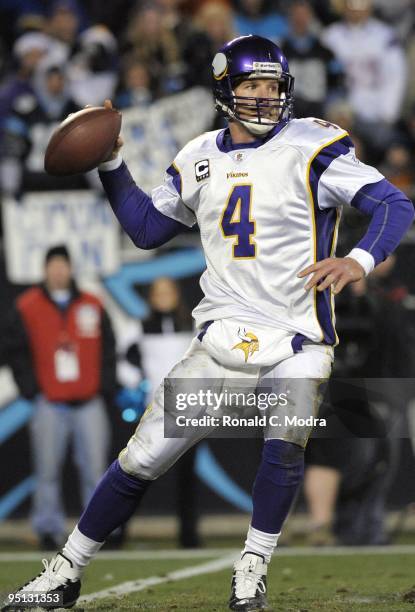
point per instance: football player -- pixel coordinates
(266, 193)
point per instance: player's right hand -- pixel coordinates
(119, 142)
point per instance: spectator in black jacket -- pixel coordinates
(27, 129)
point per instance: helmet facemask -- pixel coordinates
(258, 115)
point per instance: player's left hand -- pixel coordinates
(335, 271)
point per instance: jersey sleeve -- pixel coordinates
(168, 198)
(337, 178)
(336, 175)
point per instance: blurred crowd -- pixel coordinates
(352, 60)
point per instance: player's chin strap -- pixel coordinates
(257, 129)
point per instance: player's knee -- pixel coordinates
(135, 460)
(285, 462)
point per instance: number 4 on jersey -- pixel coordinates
(236, 222)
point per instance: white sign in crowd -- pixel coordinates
(82, 219)
(79, 219)
(154, 135)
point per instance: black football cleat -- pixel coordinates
(59, 577)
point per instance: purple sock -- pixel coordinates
(279, 475)
(114, 501)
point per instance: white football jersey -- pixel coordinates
(375, 66)
(264, 214)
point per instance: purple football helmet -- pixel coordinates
(252, 57)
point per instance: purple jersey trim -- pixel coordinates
(392, 214)
(327, 155)
(147, 227)
(225, 144)
(325, 224)
(391, 211)
(297, 342)
(177, 178)
(204, 329)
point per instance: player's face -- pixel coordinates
(58, 273)
(257, 88)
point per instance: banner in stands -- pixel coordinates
(154, 135)
(80, 219)
(152, 138)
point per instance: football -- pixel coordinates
(82, 141)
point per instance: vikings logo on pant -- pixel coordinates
(249, 344)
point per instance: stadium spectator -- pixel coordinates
(27, 129)
(166, 333)
(259, 17)
(155, 46)
(327, 11)
(93, 68)
(399, 13)
(135, 86)
(17, 18)
(398, 168)
(173, 18)
(375, 67)
(64, 23)
(28, 50)
(317, 72)
(213, 24)
(340, 112)
(110, 14)
(62, 353)
(180, 24)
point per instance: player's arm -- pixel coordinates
(147, 227)
(137, 212)
(392, 214)
(347, 181)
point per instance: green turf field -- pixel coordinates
(297, 583)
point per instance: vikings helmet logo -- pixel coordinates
(249, 344)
